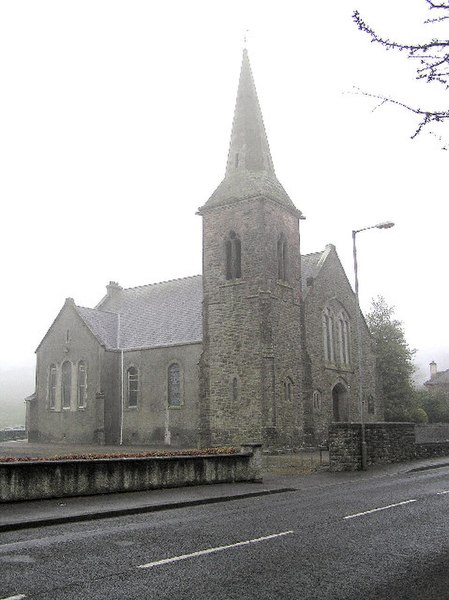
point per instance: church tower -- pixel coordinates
(251, 366)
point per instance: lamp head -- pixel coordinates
(385, 225)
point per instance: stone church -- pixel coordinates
(261, 347)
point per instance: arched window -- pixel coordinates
(328, 335)
(317, 400)
(66, 384)
(282, 258)
(174, 385)
(235, 388)
(288, 389)
(132, 377)
(233, 251)
(81, 384)
(344, 339)
(52, 374)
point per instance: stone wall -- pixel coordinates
(431, 449)
(58, 479)
(431, 433)
(68, 340)
(153, 421)
(385, 442)
(331, 289)
(252, 328)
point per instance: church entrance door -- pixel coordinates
(339, 404)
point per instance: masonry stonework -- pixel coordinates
(260, 348)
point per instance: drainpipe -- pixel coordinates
(122, 390)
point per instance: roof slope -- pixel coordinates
(161, 314)
(104, 325)
(440, 378)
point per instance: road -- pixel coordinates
(363, 536)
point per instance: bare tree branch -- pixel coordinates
(433, 66)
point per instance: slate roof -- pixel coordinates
(102, 324)
(441, 378)
(161, 314)
(242, 185)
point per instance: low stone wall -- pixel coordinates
(431, 433)
(385, 443)
(58, 479)
(432, 449)
(12, 434)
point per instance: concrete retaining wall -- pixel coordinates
(58, 479)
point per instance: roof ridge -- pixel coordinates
(107, 312)
(146, 285)
(312, 253)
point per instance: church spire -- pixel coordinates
(249, 169)
(249, 149)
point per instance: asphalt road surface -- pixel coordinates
(353, 538)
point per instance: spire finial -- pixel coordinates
(245, 38)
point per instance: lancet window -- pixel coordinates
(233, 250)
(66, 384)
(132, 376)
(282, 258)
(174, 385)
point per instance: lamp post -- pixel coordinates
(385, 225)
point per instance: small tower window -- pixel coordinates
(66, 384)
(233, 253)
(282, 258)
(288, 389)
(235, 389)
(317, 400)
(133, 386)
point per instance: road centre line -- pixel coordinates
(212, 550)
(368, 512)
(441, 493)
(17, 597)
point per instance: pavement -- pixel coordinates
(37, 513)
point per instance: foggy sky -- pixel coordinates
(115, 120)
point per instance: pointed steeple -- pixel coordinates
(249, 170)
(249, 149)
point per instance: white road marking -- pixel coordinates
(368, 512)
(441, 493)
(212, 550)
(17, 597)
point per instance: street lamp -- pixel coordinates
(385, 225)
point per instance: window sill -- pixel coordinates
(340, 368)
